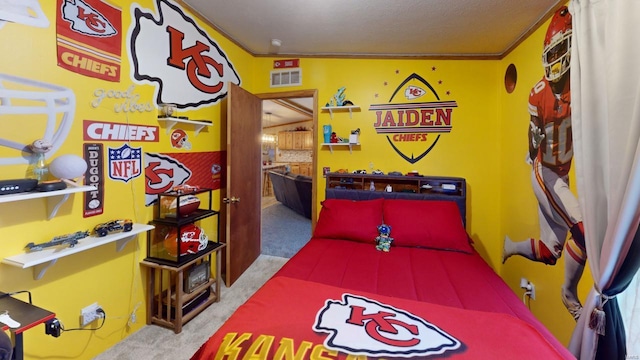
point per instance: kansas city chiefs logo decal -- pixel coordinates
(413, 92)
(170, 51)
(86, 20)
(161, 173)
(361, 326)
(408, 123)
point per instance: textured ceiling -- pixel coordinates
(444, 28)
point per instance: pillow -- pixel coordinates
(429, 224)
(349, 220)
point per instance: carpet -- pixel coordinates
(284, 231)
(153, 342)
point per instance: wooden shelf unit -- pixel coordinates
(398, 183)
(168, 304)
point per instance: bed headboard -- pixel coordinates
(429, 188)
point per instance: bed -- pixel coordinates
(430, 296)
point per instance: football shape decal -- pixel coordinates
(188, 204)
(192, 240)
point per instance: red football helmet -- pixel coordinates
(179, 140)
(557, 45)
(193, 239)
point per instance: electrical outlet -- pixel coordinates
(89, 314)
(529, 287)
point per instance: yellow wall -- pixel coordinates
(486, 146)
(519, 209)
(113, 279)
(469, 151)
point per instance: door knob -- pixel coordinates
(232, 200)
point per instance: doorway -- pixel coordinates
(285, 227)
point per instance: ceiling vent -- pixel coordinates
(289, 77)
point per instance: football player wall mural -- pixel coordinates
(550, 155)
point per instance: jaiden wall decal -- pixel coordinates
(403, 122)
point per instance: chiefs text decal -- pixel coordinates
(421, 120)
(169, 50)
(89, 38)
(361, 326)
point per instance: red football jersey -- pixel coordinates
(552, 113)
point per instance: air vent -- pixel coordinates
(289, 77)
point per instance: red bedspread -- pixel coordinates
(295, 319)
(449, 278)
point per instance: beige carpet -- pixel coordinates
(155, 342)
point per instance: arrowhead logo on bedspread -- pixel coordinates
(361, 326)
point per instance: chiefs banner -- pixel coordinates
(89, 37)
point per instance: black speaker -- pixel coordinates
(17, 186)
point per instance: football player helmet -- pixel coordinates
(179, 140)
(557, 45)
(46, 110)
(27, 12)
(192, 240)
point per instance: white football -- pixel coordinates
(188, 204)
(68, 166)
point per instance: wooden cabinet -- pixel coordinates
(307, 141)
(288, 143)
(301, 168)
(295, 140)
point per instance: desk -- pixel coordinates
(27, 315)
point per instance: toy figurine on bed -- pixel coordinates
(384, 239)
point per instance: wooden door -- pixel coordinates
(242, 198)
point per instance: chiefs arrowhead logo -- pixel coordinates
(413, 92)
(411, 122)
(361, 326)
(169, 49)
(86, 20)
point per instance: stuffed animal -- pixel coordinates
(384, 239)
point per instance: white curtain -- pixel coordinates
(630, 305)
(605, 96)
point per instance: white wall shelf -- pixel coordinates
(172, 121)
(349, 108)
(331, 145)
(42, 260)
(55, 199)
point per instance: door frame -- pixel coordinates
(314, 158)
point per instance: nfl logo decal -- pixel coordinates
(125, 163)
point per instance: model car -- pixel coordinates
(122, 225)
(185, 189)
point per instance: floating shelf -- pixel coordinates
(350, 108)
(172, 121)
(331, 145)
(55, 199)
(42, 260)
